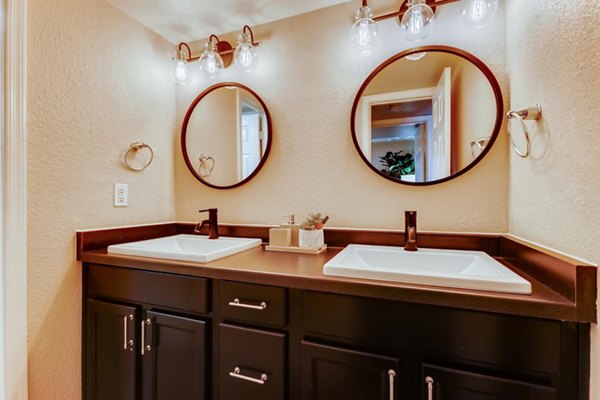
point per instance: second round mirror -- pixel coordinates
(427, 115)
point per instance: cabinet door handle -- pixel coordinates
(126, 341)
(429, 382)
(391, 375)
(145, 347)
(236, 374)
(236, 303)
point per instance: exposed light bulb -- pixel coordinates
(210, 61)
(477, 13)
(416, 56)
(364, 30)
(245, 55)
(417, 21)
(181, 69)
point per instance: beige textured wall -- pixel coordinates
(473, 100)
(553, 59)
(97, 80)
(404, 74)
(213, 131)
(308, 76)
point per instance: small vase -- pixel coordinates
(311, 239)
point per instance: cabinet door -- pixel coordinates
(110, 356)
(452, 384)
(174, 358)
(335, 373)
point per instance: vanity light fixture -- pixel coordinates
(417, 18)
(217, 55)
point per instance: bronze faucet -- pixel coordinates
(410, 231)
(212, 222)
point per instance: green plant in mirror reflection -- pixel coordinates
(397, 164)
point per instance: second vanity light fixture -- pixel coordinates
(416, 19)
(217, 55)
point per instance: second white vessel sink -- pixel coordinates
(193, 248)
(450, 268)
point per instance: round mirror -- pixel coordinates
(226, 135)
(427, 115)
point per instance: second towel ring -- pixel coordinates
(522, 114)
(207, 164)
(135, 147)
(478, 145)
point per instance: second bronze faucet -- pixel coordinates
(410, 231)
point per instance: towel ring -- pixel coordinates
(478, 145)
(522, 114)
(134, 147)
(203, 168)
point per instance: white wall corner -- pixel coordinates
(13, 377)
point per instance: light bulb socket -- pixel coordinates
(210, 47)
(363, 13)
(413, 3)
(179, 56)
(244, 38)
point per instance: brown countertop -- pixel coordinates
(561, 288)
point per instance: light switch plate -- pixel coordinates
(121, 192)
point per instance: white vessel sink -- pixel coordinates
(193, 248)
(450, 268)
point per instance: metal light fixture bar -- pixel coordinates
(224, 48)
(404, 7)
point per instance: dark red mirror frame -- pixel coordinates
(186, 121)
(430, 49)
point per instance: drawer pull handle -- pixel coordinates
(236, 374)
(391, 374)
(236, 303)
(429, 382)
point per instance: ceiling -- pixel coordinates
(189, 20)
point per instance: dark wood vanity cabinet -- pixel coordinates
(219, 339)
(134, 350)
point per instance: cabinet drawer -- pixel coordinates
(516, 343)
(448, 383)
(185, 293)
(252, 364)
(254, 303)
